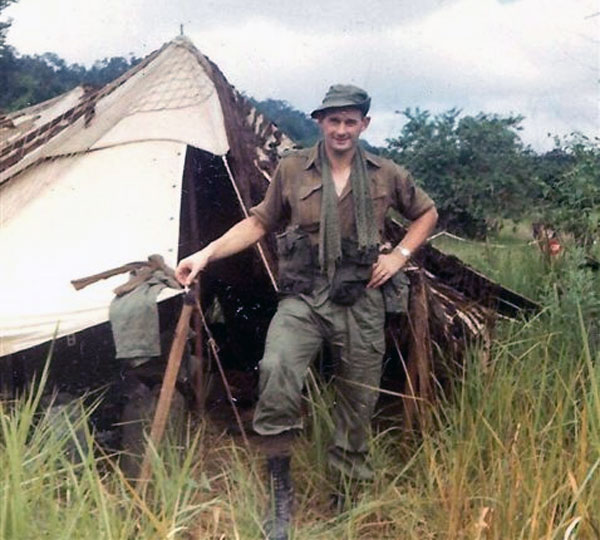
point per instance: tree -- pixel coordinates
(475, 167)
(4, 25)
(570, 187)
(26, 80)
(108, 69)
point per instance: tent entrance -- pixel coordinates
(237, 293)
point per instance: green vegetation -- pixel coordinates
(56, 484)
(299, 126)
(475, 167)
(27, 80)
(569, 178)
(480, 173)
(511, 450)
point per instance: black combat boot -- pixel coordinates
(279, 514)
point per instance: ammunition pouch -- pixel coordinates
(299, 266)
(297, 262)
(395, 293)
(352, 273)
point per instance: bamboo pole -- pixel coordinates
(167, 389)
(419, 357)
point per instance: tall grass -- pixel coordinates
(54, 486)
(511, 451)
(517, 265)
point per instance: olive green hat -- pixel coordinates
(344, 95)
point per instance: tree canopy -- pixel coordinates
(26, 80)
(475, 167)
(4, 25)
(569, 179)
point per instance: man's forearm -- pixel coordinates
(241, 236)
(419, 230)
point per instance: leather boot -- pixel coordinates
(279, 513)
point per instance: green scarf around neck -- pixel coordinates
(330, 242)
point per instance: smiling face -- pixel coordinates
(341, 129)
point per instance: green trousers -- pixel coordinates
(356, 336)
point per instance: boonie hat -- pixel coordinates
(344, 95)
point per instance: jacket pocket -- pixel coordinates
(381, 204)
(309, 204)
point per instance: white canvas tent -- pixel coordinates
(92, 180)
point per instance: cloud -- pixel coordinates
(534, 57)
(84, 31)
(531, 57)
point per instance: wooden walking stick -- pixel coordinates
(168, 387)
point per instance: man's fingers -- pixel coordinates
(383, 270)
(378, 278)
(191, 277)
(180, 275)
(190, 280)
(184, 273)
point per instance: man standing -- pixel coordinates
(332, 200)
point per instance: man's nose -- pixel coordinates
(341, 129)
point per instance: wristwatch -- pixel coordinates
(405, 252)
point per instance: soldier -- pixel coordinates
(332, 200)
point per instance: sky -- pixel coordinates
(536, 58)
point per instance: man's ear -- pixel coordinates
(365, 122)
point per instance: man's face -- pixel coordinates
(341, 129)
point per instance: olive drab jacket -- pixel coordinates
(293, 202)
(294, 197)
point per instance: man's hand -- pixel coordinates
(418, 231)
(385, 267)
(191, 266)
(241, 236)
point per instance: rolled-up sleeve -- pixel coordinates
(412, 202)
(272, 211)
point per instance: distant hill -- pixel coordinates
(29, 79)
(298, 125)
